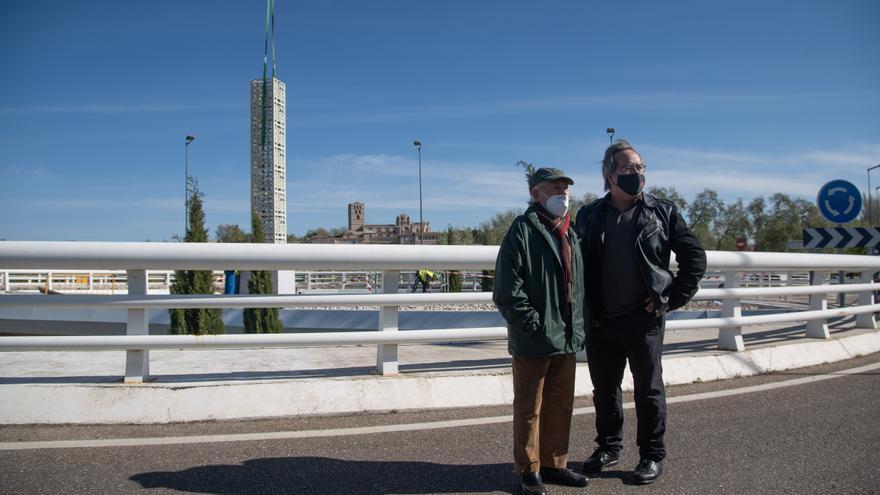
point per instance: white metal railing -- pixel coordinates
(116, 281)
(137, 258)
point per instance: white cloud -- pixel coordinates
(526, 106)
(736, 174)
(33, 172)
(101, 108)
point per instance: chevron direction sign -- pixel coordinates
(841, 237)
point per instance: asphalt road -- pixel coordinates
(819, 437)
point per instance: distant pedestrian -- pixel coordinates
(538, 289)
(627, 238)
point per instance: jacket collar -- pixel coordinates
(532, 214)
(647, 200)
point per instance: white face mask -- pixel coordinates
(557, 205)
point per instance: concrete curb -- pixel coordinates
(169, 403)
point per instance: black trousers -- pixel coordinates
(636, 337)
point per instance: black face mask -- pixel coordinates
(631, 184)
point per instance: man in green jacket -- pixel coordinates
(539, 290)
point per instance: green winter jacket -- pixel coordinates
(529, 290)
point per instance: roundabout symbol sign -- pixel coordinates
(839, 201)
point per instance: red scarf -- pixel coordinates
(559, 226)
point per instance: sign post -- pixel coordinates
(840, 202)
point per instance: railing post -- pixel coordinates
(5, 281)
(386, 354)
(866, 298)
(789, 278)
(730, 338)
(818, 329)
(137, 362)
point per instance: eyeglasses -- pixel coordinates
(630, 168)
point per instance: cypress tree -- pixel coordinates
(453, 278)
(260, 320)
(196, 321)
(179, 286)
(486, 281)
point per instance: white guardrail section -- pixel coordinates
(137, 258)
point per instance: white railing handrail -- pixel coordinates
(218, 256)
(138, 258)
(249, 341)
(787, 317)
(242, 301)
(161, 301)
(746, 260)
(802, 290)
(51, 255)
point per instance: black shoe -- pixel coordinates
(532, 485)
(599, 460)
(564, 476)
(646, 472)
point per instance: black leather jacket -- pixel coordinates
(660, 229)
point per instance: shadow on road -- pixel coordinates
(351, 371)
(326, 475)
(770, 336)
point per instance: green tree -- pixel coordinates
(669, 194)
(457, 236)
(734, 224)
(575, 204)
(260, 320)
(783, 221)
(321, 232)
(758, 219)
(490, 233)
(196, 321)
(231, 233)
(705, 215)
(178, 317)
(486, 282)
(453, 277)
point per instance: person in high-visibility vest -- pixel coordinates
(424, 277)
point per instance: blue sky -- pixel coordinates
(747, 98)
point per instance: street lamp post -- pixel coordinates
(610, 132)
(188, 140)
(870, 205)
(418, 145)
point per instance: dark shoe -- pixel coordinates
(646, 472)
(600, 460)
(532, 485)
(564, 476)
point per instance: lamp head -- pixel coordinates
(417, 143)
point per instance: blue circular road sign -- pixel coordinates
(839, 201)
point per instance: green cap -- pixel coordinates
(548, 174)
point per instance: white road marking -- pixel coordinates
(365, 430)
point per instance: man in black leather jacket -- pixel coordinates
(627, 238)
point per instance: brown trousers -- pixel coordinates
(543, 400)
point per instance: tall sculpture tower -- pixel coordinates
(269, 144)
(268, 157)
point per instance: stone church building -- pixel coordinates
(402, 231)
